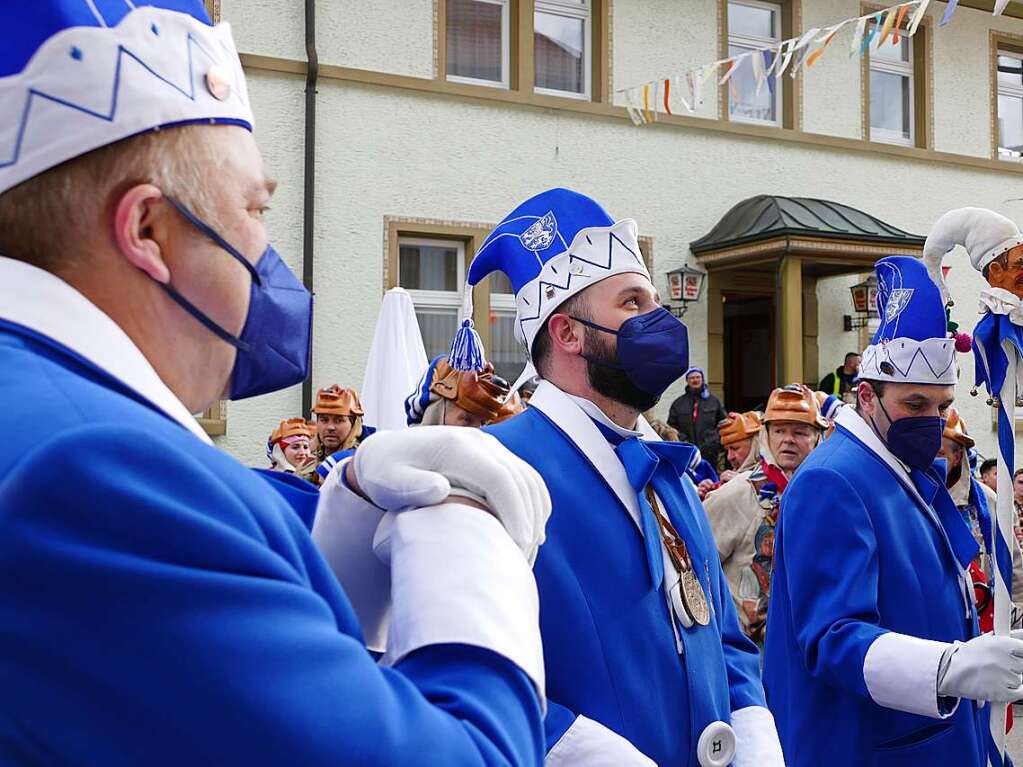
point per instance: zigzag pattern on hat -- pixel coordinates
(872, 360)
(541, 283)
(122, 52)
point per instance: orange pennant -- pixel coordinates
(898, 24)
(667, 89)
(820, 51)
(887, 27)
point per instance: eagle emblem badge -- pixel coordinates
(541, 233)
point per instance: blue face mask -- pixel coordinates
(274, 347)
(914, 440)
(653, 350)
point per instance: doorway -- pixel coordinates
(749, 350)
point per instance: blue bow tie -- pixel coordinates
(641, 460)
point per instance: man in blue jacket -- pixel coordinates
(873, 653)
(646, 662)
(162, 604)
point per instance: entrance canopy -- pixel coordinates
(771, 250)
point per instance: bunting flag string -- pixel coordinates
(949, 10)
(888, 26)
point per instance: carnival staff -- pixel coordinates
(743, 513)
(976, 503)
(873, 650)
(458, 397)
(645, 659)
(163, 605)
(739, 437)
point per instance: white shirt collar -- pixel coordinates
(44, 303)
(850, 420)
(600, 417)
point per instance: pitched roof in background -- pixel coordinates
(765, 217)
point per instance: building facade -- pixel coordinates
(436, 117)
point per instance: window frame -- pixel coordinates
(1010, 91)
(436, 299)
(506, 46)
(756, 43)
(574, 10)
(905, 69)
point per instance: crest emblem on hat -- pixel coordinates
(897, 302)
(541, 233)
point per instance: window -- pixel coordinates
(433, 272)
(753, 26)
(505, 352)
(562, 47)
(478, 42)
(1010, 105)
(892, 97)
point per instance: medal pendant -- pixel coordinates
(693, 598)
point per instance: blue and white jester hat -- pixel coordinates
(552, 246)
(76, 75)
(912, 344)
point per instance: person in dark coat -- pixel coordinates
(696, 415)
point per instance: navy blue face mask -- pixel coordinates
(914, 440)
(274, 347)
(653, 350)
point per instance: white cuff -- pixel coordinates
(901, 672)
(458, 578)
(343, 531)
(590, 744)
(756, 738)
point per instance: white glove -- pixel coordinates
(987, 667)
(423, 466)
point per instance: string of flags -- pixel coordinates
(793, 56)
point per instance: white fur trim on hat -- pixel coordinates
(905, 360)
(985, 234)
(594, 255)
(87, 87)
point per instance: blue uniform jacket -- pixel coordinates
(164, 605)
(609, 648)
(856, 557)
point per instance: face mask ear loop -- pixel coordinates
(213, 235)
(594, 325)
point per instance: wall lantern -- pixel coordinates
(864, 299)
(685, 285)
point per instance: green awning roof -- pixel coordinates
(766, 217)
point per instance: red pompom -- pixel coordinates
(963, 342)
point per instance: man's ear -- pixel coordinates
(565, 333)
(139, 221)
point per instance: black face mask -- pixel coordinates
(608, 378)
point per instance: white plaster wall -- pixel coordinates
(832, 87)
(833, 301)
(660, 38)
(381, 35)
(267, 27)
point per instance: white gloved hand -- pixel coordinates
(423, 466)
(986, 668)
